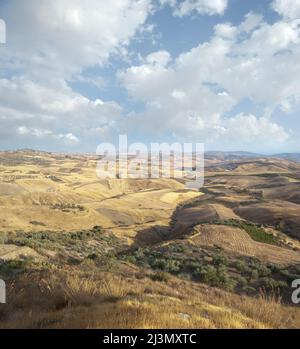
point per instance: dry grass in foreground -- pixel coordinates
(78, 299)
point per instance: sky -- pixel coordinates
(76, 73)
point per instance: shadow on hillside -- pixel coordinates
(152, 235)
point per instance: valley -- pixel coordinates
(74, 247)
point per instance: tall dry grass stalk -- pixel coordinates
(266, 308)
(111, 300)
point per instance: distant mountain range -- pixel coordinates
(288, 156)
(235, 155)
(221, 155)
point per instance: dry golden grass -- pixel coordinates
(106, 300)
(74, 297)
(28, 192)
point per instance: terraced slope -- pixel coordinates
(238, 241)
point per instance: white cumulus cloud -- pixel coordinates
(63, 37)
(202, 7)
(198, 91)
(46, 112)
(287, 8)
(50, 45)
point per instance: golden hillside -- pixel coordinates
(79, 251)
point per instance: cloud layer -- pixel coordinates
(198, 95)
(197, 90)
(50, 44)
(202, 7)
(287, 8)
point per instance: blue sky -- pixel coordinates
(77, 73)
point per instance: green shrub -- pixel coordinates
(62, 241)
(219, 260)
(241, 267)
(282, 284)
(177, 248)
(289, 275)
(192, 266)
(159, 264)
(16, 266)
(263, 270)
(130, 259)
(271, 284)
(254, 275)
(209, 275)
(173, 266)
(242, 282)
(274, 268)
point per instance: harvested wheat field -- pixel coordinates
(238, 241)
